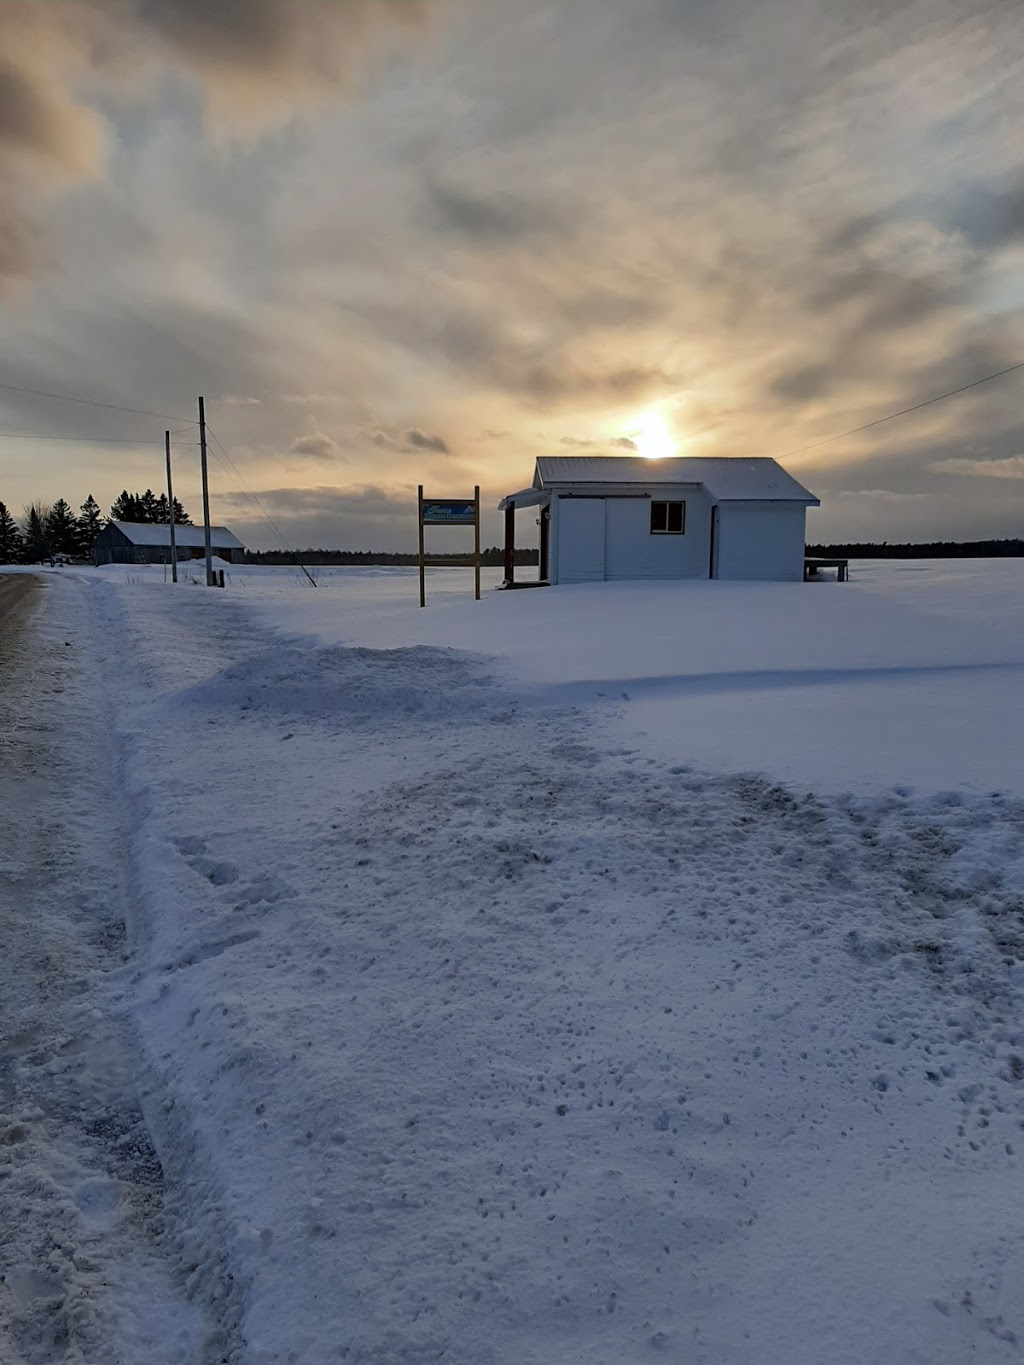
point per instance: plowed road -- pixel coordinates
(15, 591)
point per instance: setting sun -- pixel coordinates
(652, 437)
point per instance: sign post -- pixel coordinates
(449, 512)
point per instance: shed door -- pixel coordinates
(580, 540)
(628, 539)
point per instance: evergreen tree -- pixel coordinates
(147, 508)
(90, 522)
(10, 537)
(126, 507)
(62, 529)
(33, 530)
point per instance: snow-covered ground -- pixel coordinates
(909, 675)
(588, 975)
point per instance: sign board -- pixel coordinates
(449, 512)
(452, 512)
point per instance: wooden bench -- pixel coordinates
(811, 567)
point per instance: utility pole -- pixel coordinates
(170, 508)
(206, 496)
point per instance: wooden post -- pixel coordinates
(423, 572)
(476, 540)
(170, 504)
(206, 495)
(510, 544)
(545, 534)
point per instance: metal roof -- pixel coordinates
(726, 478)
(526, 497)
(188, 537)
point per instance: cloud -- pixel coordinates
(516, 340)
(356, 517)
(880, 495)
(989, 216)
(409, 439)
(317, 444)
(1004, 467)
(370, 499)
(420, 440)
(556, 383)
(801, 382)
(16, 254)
(47, 138)
(494, 218)
(257, 63)
(39, 120)
(583, 442)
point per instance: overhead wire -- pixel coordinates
(916, 407)
(95, 403)
(227, 462)
(103, 440)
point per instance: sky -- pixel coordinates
(396, 242)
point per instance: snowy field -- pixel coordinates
(910, 675)
(603, 974)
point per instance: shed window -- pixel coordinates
(668, 518)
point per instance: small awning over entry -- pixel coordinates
(526, 497)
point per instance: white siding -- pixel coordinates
(609, 537)
(579, 540)
(631, 551)
(761, 540)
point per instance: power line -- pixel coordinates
(248, 490)
(903, 411)
(103, 440)
(228, 463)
(93, 403)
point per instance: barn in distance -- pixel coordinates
(129, 542)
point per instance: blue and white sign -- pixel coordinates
(450, 512)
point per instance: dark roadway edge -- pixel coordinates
(16, 594)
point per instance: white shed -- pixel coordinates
(623, 517)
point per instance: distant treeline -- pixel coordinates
(933, 549)
(493, 557)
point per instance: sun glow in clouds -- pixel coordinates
(652, 438)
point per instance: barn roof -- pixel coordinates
(188, 537)
(726, 478)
